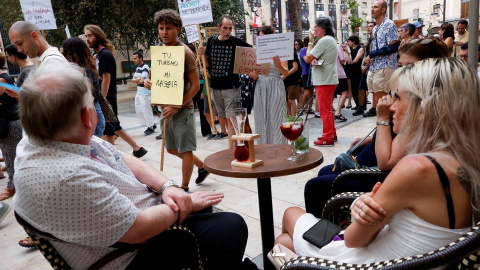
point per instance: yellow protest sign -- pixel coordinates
(168, 67)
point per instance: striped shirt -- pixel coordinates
(142, 71)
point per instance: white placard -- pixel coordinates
(269, 46)
(195, 11)
(67, 31)
(192, 33)
(40, 13)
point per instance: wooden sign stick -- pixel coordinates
(163, 143)
(43, 34)
(212, 112)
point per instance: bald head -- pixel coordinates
(53, 90)
(28, 39)
(25, 28)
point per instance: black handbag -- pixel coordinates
(346, 161)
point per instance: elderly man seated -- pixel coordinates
(80, 189)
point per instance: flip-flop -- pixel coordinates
(341, 118)
(29, 243)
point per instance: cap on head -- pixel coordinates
(417, 25)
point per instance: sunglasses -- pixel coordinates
(424, 41)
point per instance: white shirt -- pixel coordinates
(82, 194)
(50, 55)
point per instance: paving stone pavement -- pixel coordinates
(240, 194)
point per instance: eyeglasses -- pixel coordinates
(316, 26)
(464, 57)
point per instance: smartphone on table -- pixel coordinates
(322, 233)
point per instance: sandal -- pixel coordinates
(9, 192)
(349, 106)
(2, 175)
(340, 117)
(27, 242)
(4, 168)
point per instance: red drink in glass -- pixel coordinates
(241, 153)
(291, 130)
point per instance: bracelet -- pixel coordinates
(383, 123)
(310, 43)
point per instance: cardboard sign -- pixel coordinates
(246, 61)
(210, 31)
(40, 13)
(168, 67)
(192, 33)
(195, 11)
(269, 46)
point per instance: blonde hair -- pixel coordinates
(442, 113)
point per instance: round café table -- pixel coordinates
(275, 164)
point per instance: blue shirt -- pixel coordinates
(142, 71)
(383, 35)
(305, 65)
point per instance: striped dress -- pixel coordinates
(270, 105)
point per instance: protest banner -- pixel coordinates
(168, 66)
(269, 46)
(167, 71)
(40, 13)
(210, 31)
(195, 11)
(246, 61)
(192, 33)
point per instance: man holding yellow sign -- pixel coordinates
(180, 135)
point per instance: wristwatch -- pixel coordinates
(167, 185)
(383, 123)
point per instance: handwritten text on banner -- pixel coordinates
(246, 61)
(168, 67)
(269, 46)
(195, 11)
(40, 13)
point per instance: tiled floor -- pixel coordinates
(240, 194)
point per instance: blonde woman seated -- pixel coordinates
(435, 97)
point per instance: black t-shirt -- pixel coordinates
(96, 91)
(222, 58)
(106, 63)
(9, 107)
(293, 79)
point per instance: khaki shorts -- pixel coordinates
(292, 91)
(180, 133)
(379, 81)
(226, 99)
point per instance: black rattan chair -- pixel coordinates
(461, 254)
(181, 252)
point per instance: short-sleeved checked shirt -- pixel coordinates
(383, 35)
(82, 194)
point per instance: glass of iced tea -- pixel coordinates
(292, 130)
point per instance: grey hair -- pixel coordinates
(444, 100)
(51, 101)
(25, 28)
(327, 24)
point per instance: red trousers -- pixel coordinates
(325, 97)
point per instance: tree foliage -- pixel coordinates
(354, 21)
(125, 22)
